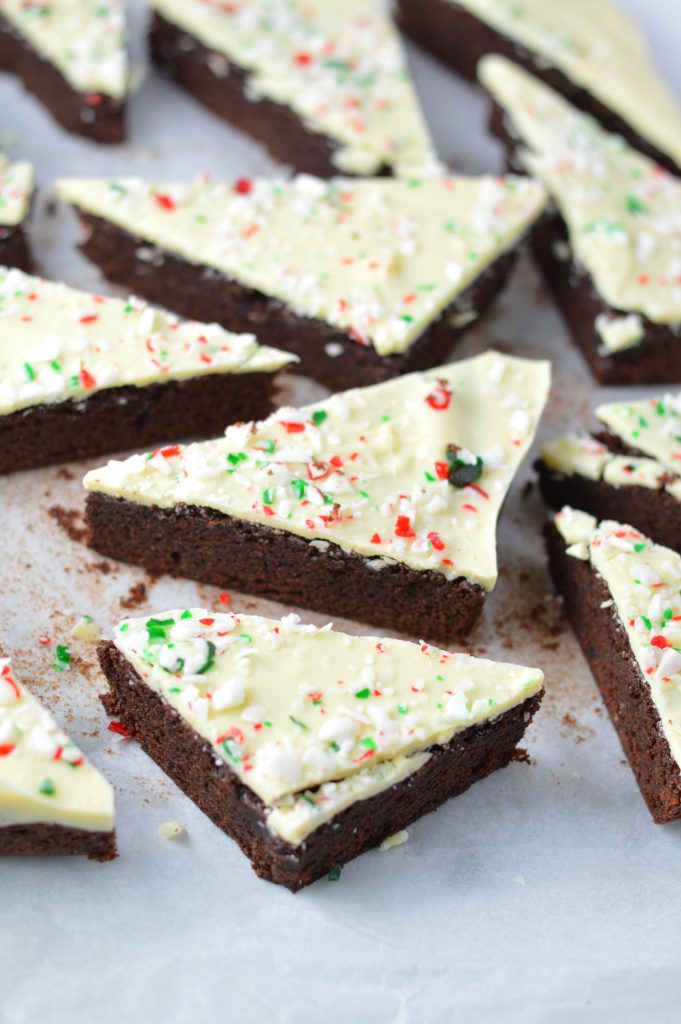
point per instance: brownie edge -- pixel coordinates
(656, 513)
(215, 788)
(56, 840)
(625, 692)
(210, 546)
(120, 419)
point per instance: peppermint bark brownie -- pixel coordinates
(363, 280)
(622, 596)
(630, 468)
(325, 86)
(378, 504)
(587, 50)
(308, 746)
(71, 54)
(52, 800)
(609, 252)
(84, 375)
(16, 192)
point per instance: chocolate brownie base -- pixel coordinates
(215, 548)
(655, 360)
(233, 807)
(94, 115)
(458, 38)
(624, 690)
(656, 513)
(56, 840)
(326, 354)
(223, 87)
(119, 419)
(14, 250)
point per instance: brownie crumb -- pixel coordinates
(103, 567)
(137, 595)
(65, 474)
(69, 519)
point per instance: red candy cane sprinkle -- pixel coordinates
(440, 398)
(120, 730)
(166, 202)
(403, 527)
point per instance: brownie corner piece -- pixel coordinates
(86, 111)
(604, 625)
(294, 815)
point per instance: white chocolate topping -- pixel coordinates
(16, 189)
(84, 39)
(378, 259)
(651, 425)
(366, 469)
(58, 344)
(44, 778)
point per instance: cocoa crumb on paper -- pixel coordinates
(70, 521)
(102, 567)
(137, 595)
(572, 728)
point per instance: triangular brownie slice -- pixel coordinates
(72, 54)
(378, 504)
(309, 746)
(82, 374)
(362, 279)
(16, 193)
(588, 50)
(52, 800)
(609, 255)
(630, 468)
(622, 595)
(324, 85)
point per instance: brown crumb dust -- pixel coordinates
(69, 519)
(137, 595)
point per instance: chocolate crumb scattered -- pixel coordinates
(137, 595)
(69, 519)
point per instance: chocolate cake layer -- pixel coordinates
(56, 840)
(655, 360)
(94, 115)
(623, 688)
(656, 513)
(14, 250)
(233, 807)
(327, 354)
(206, 545)
(119, 419)
(458, 38)
(223, 87)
